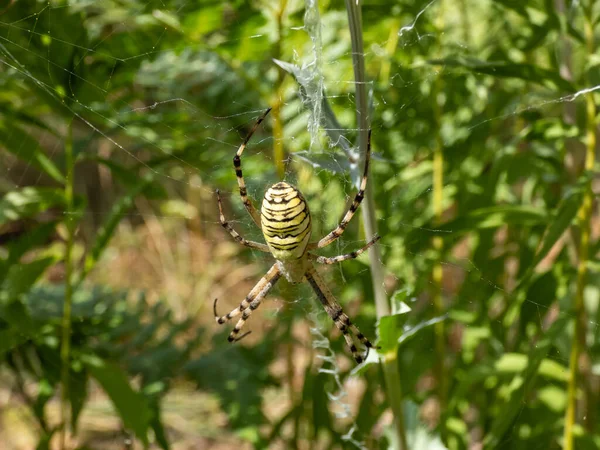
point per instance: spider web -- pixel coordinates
(138, 128)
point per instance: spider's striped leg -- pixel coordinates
(235, 234)
(237, 163)
(250, 303)
(331, 237)
(339, 317)
(340, 258)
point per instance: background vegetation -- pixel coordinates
(118, 120)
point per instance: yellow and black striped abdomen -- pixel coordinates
(285, 221)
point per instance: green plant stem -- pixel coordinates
(390, 49)
(437, 277)
(438, 243)
(65, 349)
(465, 22)
(585, 214)
(390, 363)
(278, 150)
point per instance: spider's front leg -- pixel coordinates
(250, 303)
(340, 258)
(237, 164)
(339, 230)
(339, 317)
(235, 234)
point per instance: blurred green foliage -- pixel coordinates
(160, 94)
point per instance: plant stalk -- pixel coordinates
(390, 363)
(278, 150)
(585, 214)
(65, 349)
(438, 243)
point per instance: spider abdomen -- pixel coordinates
(285, 221)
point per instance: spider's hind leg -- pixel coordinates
(342, 321)
(339, 317)
(249, 304)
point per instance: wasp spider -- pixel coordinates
(286, 225)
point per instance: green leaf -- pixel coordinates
(237, 374)
(21, 277)
(393, 330)
(78, 392)
(29, 201)
(515, 5)
(543, 293)
(413, 330)
(46, 391)
(44, 442)
(131, 405)
(26, 148)
(566, 213)
(37, 236)
(157, 425)
(511, 363)
(321, 414)
(399, 299)
(484, 218)
(389, 330)
(10, 339)
(204, 21)
(523, 383)
(503, 69)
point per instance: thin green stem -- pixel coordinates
(585, 214)
(390, 49)
(438, 243)
(65, 349)
(278, 150)
(465, 22)
(390, 363)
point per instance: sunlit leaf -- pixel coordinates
(25, 147)
(29, 201)
(511, 408)
(504, 69)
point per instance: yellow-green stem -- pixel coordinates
(65, 349)
(465, 22)
(438, 244)
(390, 49)
(584, 217)
(390, 364)
(278, 150)
(438, 272)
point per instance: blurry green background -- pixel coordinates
(119, 119)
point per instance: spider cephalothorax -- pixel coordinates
(286, 225)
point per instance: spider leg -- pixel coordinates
(340, 258)
(250, 303)
(235, 234)
(339, 317)
(237, 163)
(337, 232)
